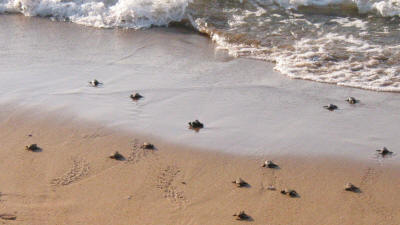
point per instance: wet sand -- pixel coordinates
(72, 181)
(247, 108)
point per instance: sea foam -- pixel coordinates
(320, 45)
(108, 13)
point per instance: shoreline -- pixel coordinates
(251, 114)
(54, 119)
(72, 181)
(247, 108)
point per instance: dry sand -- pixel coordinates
(72, 181)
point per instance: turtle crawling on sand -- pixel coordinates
(351, 187)
(196, 125)
(32, 148)
(351, 100)
(147, 146)
(95, 83)
(241, 216)
(270, 164)
(240, 183)
(384, 151)
(136, 96)
(116, 155)
(331, 107)
(289, 192)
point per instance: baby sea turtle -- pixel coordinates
(351, 100)
(351, 187)
(32, 148)
(384, 151)
(290, 192)
(116, 155)
(196, 125)
(240, 183)
(270, 164)
(136, 96)
(148, 146)
(95, 83)
(6, 216)
(241, 216)
(331, 107)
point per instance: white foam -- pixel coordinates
(106, 13)
(300, 60)
(385, 8)
(303, 61)
(351, 22)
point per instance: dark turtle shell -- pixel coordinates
(384, 151)
(196, 124)
(331, 107)
(94, 83)
(352, 100)
(240, 183)
(136, 96)
(117, 156)
(148, 146)
(352, 188)
(241, 216)
(32, 147)
(289, 192)
(270, 164)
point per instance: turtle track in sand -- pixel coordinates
(79, 169)
(272, 178)
(366, 199)
(165, 183)
(137, 153)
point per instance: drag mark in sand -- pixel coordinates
(165, 184)
(270, 174)
(367, 199)
(137, 152)
(79, 169)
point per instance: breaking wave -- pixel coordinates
(353, 43)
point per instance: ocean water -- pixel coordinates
(353, 43)
(246, 106)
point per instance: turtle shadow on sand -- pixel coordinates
(33, 148)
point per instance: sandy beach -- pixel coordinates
(251, 114)
(73, 181)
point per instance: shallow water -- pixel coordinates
(247, 108)
(351, 43)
